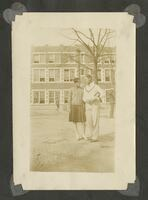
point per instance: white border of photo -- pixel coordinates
(24, 29)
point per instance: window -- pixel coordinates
(110, 96)
(99, 75)
(51, 96)
(66, 96)
(57, 96)
(38, 97)
(72, 74)
(57, 74)
(38, 75)
(54, 97)
(54, 75)
(68, 58)
(82, 56)
(66, 74)
(69, 75)
(50, 58)
(51, 75)
(82, 72)
(107, 75)
(42, 75)
(39, 58)
(42, 97)
(112, 61)
(36, 58)
(106, 61)
(43, 58)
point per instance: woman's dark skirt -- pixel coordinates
(77, 113)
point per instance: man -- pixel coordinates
(92, 98)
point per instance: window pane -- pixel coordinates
(107, 75)
(71, 58)
(42, 58)
(36, 58)
(35, 97)
(36, 75)
(66, 74)
(57, 94)
(72, 74)
(106, 61)
(42, 75)
(51, 96)
(99, 75)
(42, 97)
(50, 58)
(51, 75)
(65, 58)
(82, 58)
(57, 58)
(57, 74)
(66, 96)
(57, 97)
(81, 71)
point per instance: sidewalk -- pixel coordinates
(54, 147)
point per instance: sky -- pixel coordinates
(55, 37)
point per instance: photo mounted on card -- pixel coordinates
(73, 101)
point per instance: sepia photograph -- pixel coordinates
(73, 101)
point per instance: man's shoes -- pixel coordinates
(85, 138)
(88, 138)
(94, 140)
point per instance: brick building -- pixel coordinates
(54, 67)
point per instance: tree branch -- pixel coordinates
(82, 41)
(78, 62)
(92, 37)
(99, 37)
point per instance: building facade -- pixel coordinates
(53, 69)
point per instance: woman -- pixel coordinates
(77, 109)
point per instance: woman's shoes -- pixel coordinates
(90, 139)
(85, 138)
(80, 138)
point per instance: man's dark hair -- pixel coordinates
(89, 77)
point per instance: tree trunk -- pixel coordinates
(95, 72)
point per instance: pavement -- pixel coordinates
(54, 146)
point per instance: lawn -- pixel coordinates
(55, 148)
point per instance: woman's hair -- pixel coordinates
(76, 80)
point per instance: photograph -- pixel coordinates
(73, 101)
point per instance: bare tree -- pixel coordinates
(95, 45)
